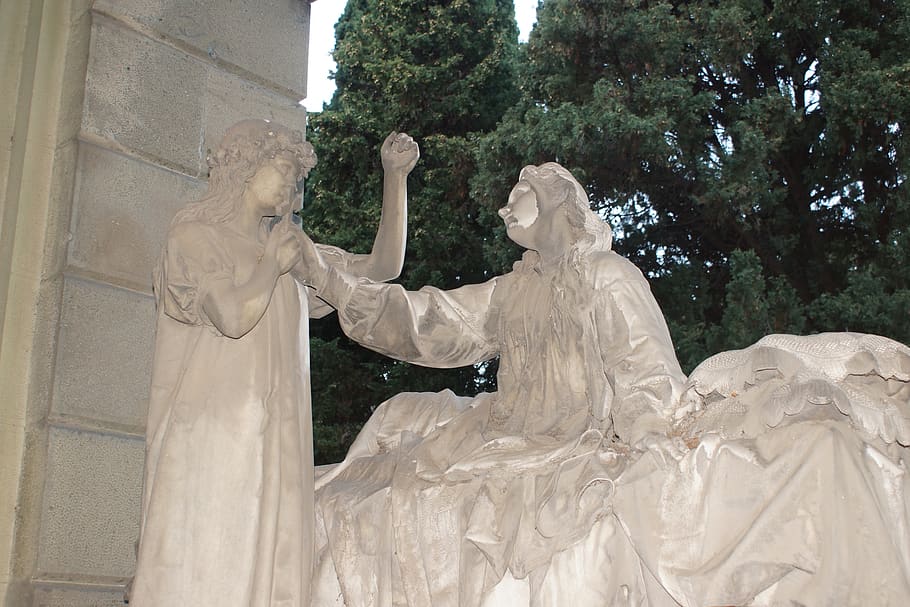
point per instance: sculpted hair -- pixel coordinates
(592, 232)
(244, 148)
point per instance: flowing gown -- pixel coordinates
(441, 498)
(796, 489)
(228, 499)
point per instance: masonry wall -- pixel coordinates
(140, 89)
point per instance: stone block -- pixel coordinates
(104, 354)
(123, 208)
(92, 496)
(268, 39)
(148, 98)
(73, 83)
(77, 597)
(59, 210)
(230, 99)
(144, 96)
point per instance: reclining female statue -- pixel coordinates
(598, 475)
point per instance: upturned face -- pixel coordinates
(274, 185)
(528, 214)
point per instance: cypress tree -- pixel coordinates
(745, 150)
(444, 72)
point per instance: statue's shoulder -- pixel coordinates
(607, 267)
(189, 231)
(185, 229)
(192, 237)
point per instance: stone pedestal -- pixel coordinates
(111, 107)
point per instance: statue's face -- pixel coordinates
(529, 212)
(274, 185)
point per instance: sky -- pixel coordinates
(323, 16)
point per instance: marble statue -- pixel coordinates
(599, 474)
(440, 498)
(795, 490)
(227, 507)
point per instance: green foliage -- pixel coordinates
(444, 72)
(753, 307)
(868, 304)
(703, 128)
(751, 156)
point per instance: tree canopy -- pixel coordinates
(748, 152)
(444, 72)
(751, 155)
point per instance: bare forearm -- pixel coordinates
(387, 255)
(235, 310)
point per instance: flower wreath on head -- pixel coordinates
(253, 141)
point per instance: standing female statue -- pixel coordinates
(442, 498)
(227, 511)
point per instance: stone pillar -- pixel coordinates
(109, 107)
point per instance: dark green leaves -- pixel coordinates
(444, 72)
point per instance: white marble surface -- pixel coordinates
(597, 475)
(227, 509)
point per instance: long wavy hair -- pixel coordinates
(591, 232)
(246, 146)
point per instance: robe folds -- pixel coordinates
(442, 500)
(794, 489)
(227, 506)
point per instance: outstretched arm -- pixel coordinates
(430, 327)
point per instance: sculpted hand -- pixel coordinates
(399, 153)
(282, 245)
(667, 450)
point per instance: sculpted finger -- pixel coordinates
(409, 144)
(390, 140)
(400, 144)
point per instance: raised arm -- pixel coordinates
(399, 156)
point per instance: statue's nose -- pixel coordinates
(503, 212)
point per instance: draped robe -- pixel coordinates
(442, 498)
(227, 506)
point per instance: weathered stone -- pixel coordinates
(133, 77)
(122, 211)
(90, 519)
(104, 353)
(257, 37)
(76, 597)
(73, 82)
(230, 100)
(144, 96)
(11, 439)
(147, 98)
